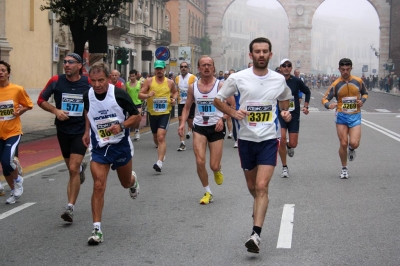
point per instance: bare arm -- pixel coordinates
(144, 91)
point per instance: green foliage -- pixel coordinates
(205, 44)
(83, 15)
(91, 12)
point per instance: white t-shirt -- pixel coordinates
(259, 96)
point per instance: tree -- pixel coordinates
(205, 44)
(82, 16)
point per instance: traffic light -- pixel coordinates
(125, 56)
(118, 56)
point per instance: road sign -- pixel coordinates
(365, 68)
(162, 53)
(374, 71)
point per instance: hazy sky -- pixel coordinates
(340, 8)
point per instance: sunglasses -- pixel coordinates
(286, 65)
(345, 64)
(69, 62)
(184, 66)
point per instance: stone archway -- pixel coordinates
(300, 15)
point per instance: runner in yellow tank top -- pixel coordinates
(160, 94)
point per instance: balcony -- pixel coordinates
(120, 23)
(164, 38)
(194, 40)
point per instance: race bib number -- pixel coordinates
(72, 103)
(291, 104)
(260, 114)
(206, 106)
(7, 110)
(102, 125)
(160, 105)
(349, 104)
(183, 94)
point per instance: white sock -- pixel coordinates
(183, 142)
(207, 188)
(18, 179)
(80, 168)
(137, 130)
(159, 163)
(71, 205)
(97, 224)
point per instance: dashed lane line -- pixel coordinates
(15, 210)
(286, 230)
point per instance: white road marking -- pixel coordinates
(383, 130)
(15, 210)
(383, 110)
(286, 230)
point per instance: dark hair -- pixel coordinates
(345, 62)
(183, 62)
(133, 71)
(260, 40)
(7, 66)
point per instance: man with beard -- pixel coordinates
(350, 94)
(293, 127)
(261, 91)
(183, 81)
(160, 93)
(68, 92)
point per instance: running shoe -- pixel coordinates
(219, 177)
(230, 135)
(157, 166)
(235, 145)
(285, 172)
(351, 154)
(253, 244)
(182, 147)
(68, 215)
(290, 151)
(82, 173)
(188, 134)
(11, 199)
(20, 170)
(344, 174)
(134, 190)
(18, 188)
(96, 237)
(136, 136)
(206, 199)
(2, 193)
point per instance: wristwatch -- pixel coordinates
(223, 120)
(305, 107)
(122, 126)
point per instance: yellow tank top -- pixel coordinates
(160, 103)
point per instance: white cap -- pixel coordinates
(285, 60)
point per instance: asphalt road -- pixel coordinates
(335, 222)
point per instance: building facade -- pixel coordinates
(187, 22)
(35, 45)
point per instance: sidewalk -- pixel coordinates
(391, 92)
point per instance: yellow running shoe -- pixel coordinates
(219, 177)
(206, 199)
